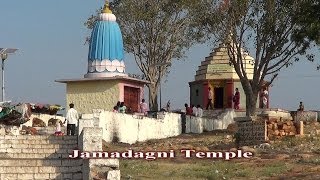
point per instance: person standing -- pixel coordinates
(236, 99)
(199, 110)
(188, 109)
(143, 107)
(210, 98)
(194, 110)
(265, 98)
(58, 128)
(122, 108)
(71, 118)
(118, 105)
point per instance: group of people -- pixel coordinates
(194, 110)
(236, 99)
(120, 107)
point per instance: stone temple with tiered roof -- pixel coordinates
(217, 73)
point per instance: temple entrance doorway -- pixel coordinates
(218, 100)
(131, 98)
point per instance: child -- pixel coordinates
(58, 128)
(115, 109)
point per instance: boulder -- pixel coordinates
(305, 156)
(233, 128)
(12, 130)
(233, 149)
(248, 149)
(281, 156)
(36, 122)
(52, 122)
(30, 130)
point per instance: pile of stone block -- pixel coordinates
(278, 128)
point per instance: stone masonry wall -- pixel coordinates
(38, 157)
(90, 140)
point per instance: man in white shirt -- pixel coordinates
(72, 119)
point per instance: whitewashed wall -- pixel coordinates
(198, 125)
(131, 128)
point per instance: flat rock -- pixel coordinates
(282, 156)
(248, 149)
(305, 156)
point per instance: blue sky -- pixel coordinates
(50, 36)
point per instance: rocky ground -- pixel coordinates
(294, 157)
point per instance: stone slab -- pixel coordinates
(251, 132)
(306, 116)
(113, 175)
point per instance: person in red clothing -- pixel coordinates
(236, 99)
(188, 109)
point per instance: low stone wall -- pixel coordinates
(134, 128)
(305, 116)
(279, 113)
(199, 125)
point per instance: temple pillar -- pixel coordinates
(229, 92)
(205, 94)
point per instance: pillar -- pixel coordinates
(205, 94)
(229, 92)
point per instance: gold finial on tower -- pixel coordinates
(106, 8)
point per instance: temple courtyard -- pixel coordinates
(296, 157)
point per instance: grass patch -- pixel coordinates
(275, 168)
(204, 169)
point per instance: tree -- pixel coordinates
(265, 29)
(308, 19)
(155, 32)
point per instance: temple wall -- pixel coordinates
(92, 95)
(243, 95)
(196, 98)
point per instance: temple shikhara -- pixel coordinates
(217, 73)
(106, 81)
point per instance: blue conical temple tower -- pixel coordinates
(105, 57)
(105, 82)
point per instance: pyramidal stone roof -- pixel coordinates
(217, 66)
